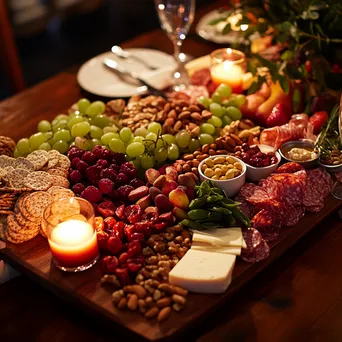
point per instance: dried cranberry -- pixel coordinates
(135, 245)
(140, 227)
(106, 209)
(133, 252)
(121, 179)
(150, 217)
(134, 267)
(129, 170)
(105, 185)
(75, 162)
(109, 223)
(109, 173)
(160, 226)
(102, 238)
(136, 236)
(92, 194)
(120, 211)
(92, 173)
(89, 158)
(136, 182)
(114, 244)
(123, 258)
(124, 191)
(109, 264)
(114, 195)
(82, 167)
(78, 188)
(133, 213)
(115, 167)
(119, 229)
(123, 276)
(118, 158)
(137, 260)
(129, 230)
(75, 152)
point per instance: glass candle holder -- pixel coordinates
(69, 227)
(228, 66)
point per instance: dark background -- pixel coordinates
(72, 37)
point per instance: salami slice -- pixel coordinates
(201, 77)
(315, 208)
(245, 207)
(257, 248)
(338, 176)
(290, 215)
(247, 190)
(267, 222)
(290, 167)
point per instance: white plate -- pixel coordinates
(95, 78)
(209, 33)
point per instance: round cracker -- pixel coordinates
(23, 163)
(65, 208)
(36, 203)
(60, 181)
(78, 217)
(58, 171)
(15, 179)
(6, 161)
(64, 162)
(38, 158)
(20, 238)
(38, 180)
(13, 226)
(53, 156)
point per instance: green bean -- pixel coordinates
(224, 211)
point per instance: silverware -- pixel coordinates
(118, 51)
(112, 65)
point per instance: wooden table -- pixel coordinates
(297, 298)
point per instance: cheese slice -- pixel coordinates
(203, 271)
(201, 246)
(229, 237)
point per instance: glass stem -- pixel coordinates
(177, 44)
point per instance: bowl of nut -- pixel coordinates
(261, 160)
(226, 172)
(331, 160)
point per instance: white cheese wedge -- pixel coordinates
(203, 272)
(229, 237)
(201, 246)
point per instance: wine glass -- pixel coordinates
(176, 17)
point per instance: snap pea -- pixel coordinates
(241, 217)
(197, 203)
(221, 210)
(198, 214)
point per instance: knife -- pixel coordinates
(112, 65)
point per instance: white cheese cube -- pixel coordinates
(221, 237)
(201, 246)
(203, 272)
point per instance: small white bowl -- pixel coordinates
(254, 174)
(331, 168)
(230, 186)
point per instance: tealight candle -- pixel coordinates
(69, 226)
(73, 243)
(228, 67)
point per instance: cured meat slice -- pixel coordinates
(245, 207)
(290, 215)
(338, 176)
(315, 208)
(267, 222)
(290, 167)
(302, 176)
(201, 77)
(257, 248)
(247, 190)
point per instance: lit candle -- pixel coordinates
(228, 73)
(73, 244)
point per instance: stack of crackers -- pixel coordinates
(28, 185)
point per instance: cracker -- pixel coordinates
(19, 238)
(6, 161)
(58, 171)
(60, 181)
(23, 172)
(53, 156)
(14, 228)
(22, 220)
(14, 179)
(78, 217)
(54, 188)
(3, 228)
(6, 189)
(38, 158)
(43, 229)
(36, 203)
(38, 180)
(64, 193)
(64, 162)
(6, 211)
(9, 169)
(22, 163)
